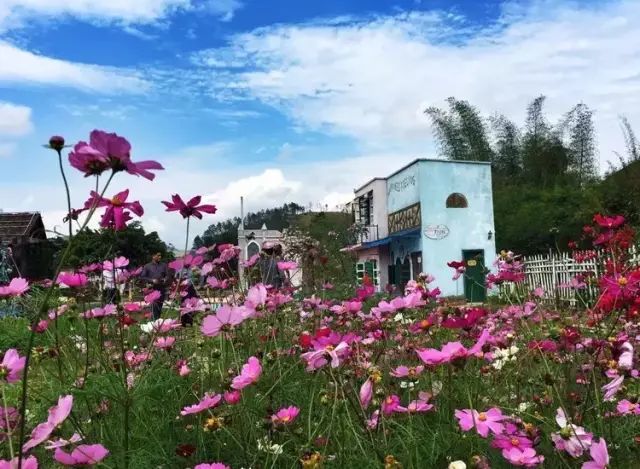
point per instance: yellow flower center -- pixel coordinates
(115, 201)
(622, 281)
(425, 324)
(482, 416)
(515, 442)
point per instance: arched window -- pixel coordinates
(457, 200)
(252, 249)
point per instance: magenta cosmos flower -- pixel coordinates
(117, 210)
(16, 287)
(214, 465)
(57, 415)
(27, 463)
(484, 422)
(72, 280)
(250, 374)
(11, 366)
(285, 416)
(109, 151)
(366, 393)
(164, 342)
(190, 208)
(526, 457)
(83, 455)
(599, 455)
(209, 401)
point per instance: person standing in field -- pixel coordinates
(157, 275)
(270, 275)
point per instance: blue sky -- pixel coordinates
(282, 100)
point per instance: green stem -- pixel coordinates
(7, 423)
(41, 310)
(68, 192)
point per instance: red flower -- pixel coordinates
(116, 215)
(191, 208)
(611, 223)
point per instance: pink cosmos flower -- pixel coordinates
(526, 457)
(186, 262)
(160, 326)
(225, 316)
(108, 310)
(61, 442)
(612, 388)
(391, 404)
(323, 353)
(366, 393)
(511, 440)
(372, 422)
(287, 265)
(626, 407)
(209, 401)
(484, 422)
(232, 397)
(571, 438)
(16, 287)
(625, 361)
(215, 465)
(57, 415)
(11, 366)
(452, 350)
(109, 150)
(256, 296)
(117, 210)
(42, 326)
(164, 342)
(599, 456)
(72, 280)
(27, 463)
(152, 297)
(182, 367)
(417, 406)
(193, 305)
(213, 282)
(285, 415)
(406, 372)
(190, 208)
(118, 263)
(250, 374)
(253, 260)
(83, 455)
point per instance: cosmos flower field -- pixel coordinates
(274, 378)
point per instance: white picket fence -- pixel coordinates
(554, 271)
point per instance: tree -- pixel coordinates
(507, 160)
(461, 131)
(582, 147)
(97, 245)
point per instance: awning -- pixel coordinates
(410, 232)
(376, 243)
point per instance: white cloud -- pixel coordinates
(23, 67)
(16, 13)
(7, 149)
(15, 120)
(372, 78)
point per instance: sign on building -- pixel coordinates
(405, 219)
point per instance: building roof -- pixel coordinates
(369, 182)
(435, 160)
(20, 225)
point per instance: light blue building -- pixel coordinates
(437, 211)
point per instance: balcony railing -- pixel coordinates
(368, 234)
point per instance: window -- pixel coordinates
(365, 209)
(252, 249)
(370, 268)
(457, 200)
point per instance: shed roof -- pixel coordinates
(20, 225)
